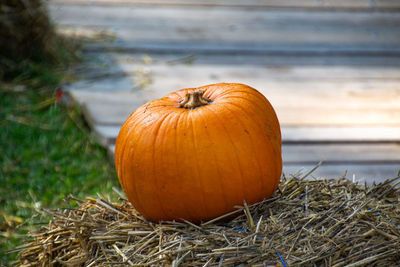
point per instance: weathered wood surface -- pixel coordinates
(369, 172)
(365, 152)
(107, 134)
(201, 29)
(270, 76)
(332, 76)
(293, 109)
(111, 63)
(292, 4)
(361, 172)
(333, 154)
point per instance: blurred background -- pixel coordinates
(330, 69)
(71, 71)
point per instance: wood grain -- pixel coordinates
(106, 114)
(292, 109)
(109, 114)
(334, 154)
(368, 172)
(292, 4)
(329, 68)
(107, 135)
(341, 153)
(332, 134)
(225, 29)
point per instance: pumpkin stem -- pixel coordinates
(194, 99)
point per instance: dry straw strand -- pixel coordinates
(307, 222)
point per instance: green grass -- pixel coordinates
(46, 154)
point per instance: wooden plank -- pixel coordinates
(300, 86)
(393, 167)
(353, 94)
(340, 134)
(292, 109)
(110, 114)
(320, 74)
(107, 134)
(343, 97)
(308, 116)
(122, 65)
(161, 28)
(387, 4)
(106, 114)
(193, 38)
(341, 153)
(308, 4)
(369, 173)
(82, 97)
(286, 93)
(348, 82)
(280, 62)
(272, 42)
(354, 154)
(116, 82)
(330, 86)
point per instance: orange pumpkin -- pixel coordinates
(198, 152)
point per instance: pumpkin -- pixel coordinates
(197, 153)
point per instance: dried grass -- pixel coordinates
(318, 222)
(28, 38)
(25, 30)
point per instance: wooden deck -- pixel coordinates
(331, 69)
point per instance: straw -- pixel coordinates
(307, 222)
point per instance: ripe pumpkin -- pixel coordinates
(196, 153)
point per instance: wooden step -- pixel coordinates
(339, 154)
(301, 66)
(121, 66)
(290, 4)
(315, 110)
(110, 114)
(315, 123)
(329, 68)
(177, 29)
(368, 171)
(107, 134)
(350, 82)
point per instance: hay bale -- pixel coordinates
(321, 222)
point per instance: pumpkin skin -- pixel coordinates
(196, 164)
